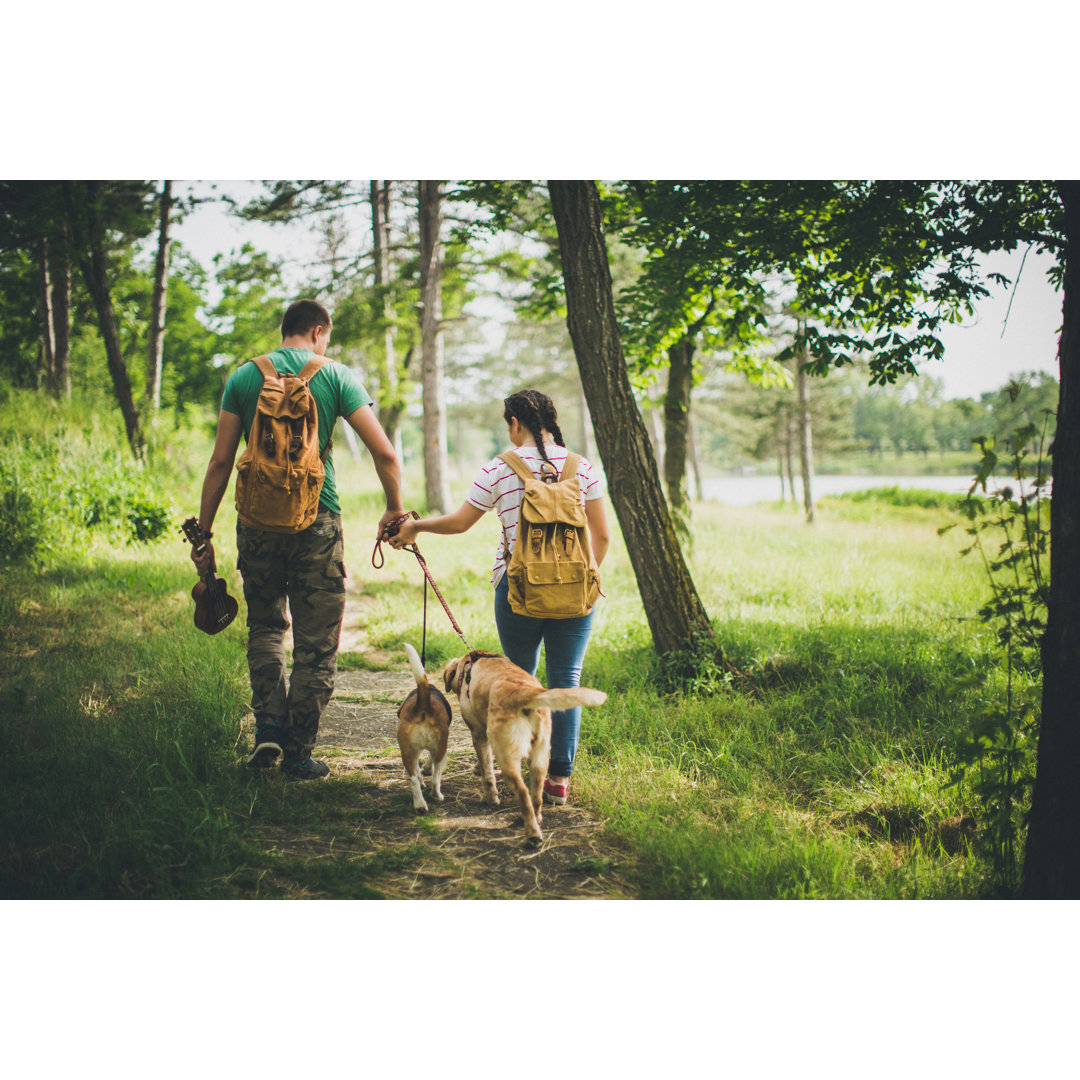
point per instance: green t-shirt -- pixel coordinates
(336, 390)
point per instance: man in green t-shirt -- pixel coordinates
(304, 569)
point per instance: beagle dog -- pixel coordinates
(423, 725)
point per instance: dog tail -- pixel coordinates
(570, 697)
(423, 691)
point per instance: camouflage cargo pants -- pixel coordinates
(307, 570)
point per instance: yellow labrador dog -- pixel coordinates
(509, 712)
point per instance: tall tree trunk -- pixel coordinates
(694, 458)
(659, 450)
(585, 439)
(155, 347)
(672, 606)
(48, 341)
(789, 453)
(61, 313)
(389, 410)
(89, 243)
(781, 435)
(677, 419)
(806, 442)
(1052, 858)
(431, 339)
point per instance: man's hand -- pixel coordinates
(405, 535)
(203, 558)
(386, 519)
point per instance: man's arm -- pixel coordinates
(216, 481)
(366, 424)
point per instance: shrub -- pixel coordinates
(926, 498)
(24, 520)
(55, 486)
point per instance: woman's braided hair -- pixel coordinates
(537, 412)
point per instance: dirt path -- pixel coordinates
(467, 850)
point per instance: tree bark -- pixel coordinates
(657, 433)
(586, 435)
(789, 453)
(672, 606)
(431, 339)
(48, 343)
(389, 407)
(61, 314)
(155, 347)
(1052, 857)
(677, 419)
(89, 243)
(781, 427)
(806, 441)
(695, 460)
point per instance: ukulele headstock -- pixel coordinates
(192, 533)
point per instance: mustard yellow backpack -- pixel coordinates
(552, 573)
(280, 474)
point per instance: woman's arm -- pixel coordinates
(599, 534)
(461, 520)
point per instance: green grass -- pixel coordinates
(807, 756)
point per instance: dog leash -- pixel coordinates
(391, 529)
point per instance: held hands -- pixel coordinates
(387, 519)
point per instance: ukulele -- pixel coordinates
(214, 607)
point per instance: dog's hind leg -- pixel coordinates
(512, 772)
(436, 777)
(411, 759)
(539, 756)
(487, 770)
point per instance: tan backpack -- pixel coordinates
(552, 573)
(280, 474)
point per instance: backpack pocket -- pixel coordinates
(554, 591)
(275, 497)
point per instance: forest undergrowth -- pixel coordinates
(808, 751)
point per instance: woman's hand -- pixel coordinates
(405, 535)
(386, 519)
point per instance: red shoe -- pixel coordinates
(555, 794)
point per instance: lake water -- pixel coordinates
(747, 490)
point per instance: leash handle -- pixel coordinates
(391, 529)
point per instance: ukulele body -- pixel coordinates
(214, 607)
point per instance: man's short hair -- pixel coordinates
(302, 316)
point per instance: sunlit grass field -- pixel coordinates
(807, 755)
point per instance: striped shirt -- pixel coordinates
(497, 487)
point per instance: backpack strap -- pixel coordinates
(526, 474)
(266, 366)
(307, 373)
(309, 370)
(517, 465)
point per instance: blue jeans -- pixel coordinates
(565, 642)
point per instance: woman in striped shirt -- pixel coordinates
(532, 423)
